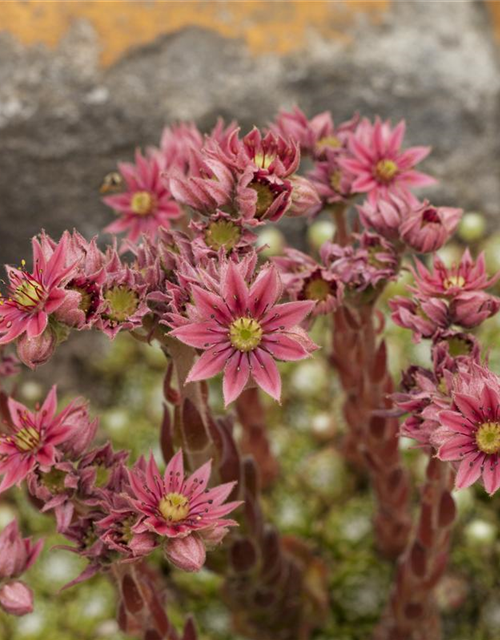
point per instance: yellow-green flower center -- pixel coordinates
(265, 197)
(488, 437)
(27, 439)
(245, 334)
(53, 480)
(454, 281)
(264, 160)
(335, 179)
(386, 170)
(317, 289)
(329, 141)
(29, 293)
(142, 203)
(174, 507)
(222, 233)
(122, 303)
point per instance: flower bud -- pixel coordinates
(305, 198)
(427, 228)
(471, 308)
(186, 553)
(16, 598)
(38, 350)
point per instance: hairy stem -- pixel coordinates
(372, 443)
(411, 613)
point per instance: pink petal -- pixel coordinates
(174, 473)
(455, 447)
(287, 315)
(264, 292)
(396, 139)
(417, 179)
(235, 290)
(209, 364)
(265, 373)
(283, 347)
(16, 472)
(491, 474)
(469, 470)
(50, 404)
(36, 325)
(154, 479)
(197, 481)
(412, 156)
(201, 335)
(217, 494)
(210, 305)
(236, 376)
(455, 421)
(469, 406)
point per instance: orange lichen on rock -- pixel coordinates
(279, 27)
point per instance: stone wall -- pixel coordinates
(83, 83)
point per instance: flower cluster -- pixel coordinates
(190, 273)
(445, 297)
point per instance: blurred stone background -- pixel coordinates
(83, 83)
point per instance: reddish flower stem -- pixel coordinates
(412, 613)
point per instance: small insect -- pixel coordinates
(112, 183)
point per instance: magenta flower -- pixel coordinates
(181, 509)
(17, 555)
(147, 203)
(242, 331)
(378, 165)
(427, 228)
(33, 438)
(470, 430)
(34, 296)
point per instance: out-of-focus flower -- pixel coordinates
(379, 165)
(147, 203)
(180, 509)
(318, 136)
(242, 330)
(17, 554)
(33, 438)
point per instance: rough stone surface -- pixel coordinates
(65, 120)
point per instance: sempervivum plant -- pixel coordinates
(185, 270)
